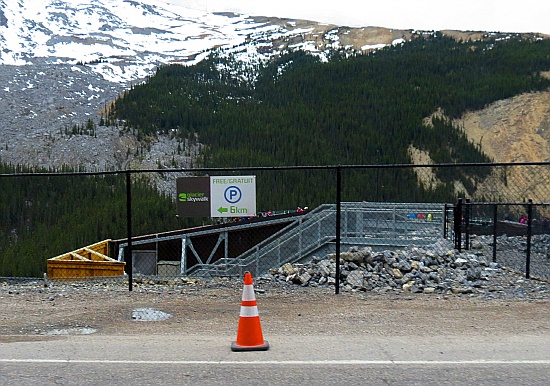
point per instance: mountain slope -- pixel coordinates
(512, 130)
(515, 129)
(63, 62)
(126, 40)
(359, 110)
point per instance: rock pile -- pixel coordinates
(437, 268)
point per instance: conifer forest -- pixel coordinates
(297, 110)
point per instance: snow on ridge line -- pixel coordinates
(137, 35)
(126, 41)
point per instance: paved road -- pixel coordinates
(414, 358)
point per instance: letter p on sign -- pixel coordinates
(233, 194)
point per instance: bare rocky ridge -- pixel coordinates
(515, 130)
(44, 103)
(362, 38)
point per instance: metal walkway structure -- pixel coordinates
(274, 241)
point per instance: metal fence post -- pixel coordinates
(467, 210)
(338, 213)
(278, 255)
(184, 256)
(495, 223)
(458, 225)
(445, 208)
(129, 257)
(529, 231)
(257, 261)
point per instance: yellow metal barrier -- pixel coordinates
(90, 261)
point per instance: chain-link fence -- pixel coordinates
(516, 235)
(79, 224)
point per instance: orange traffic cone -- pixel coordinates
(249, 334)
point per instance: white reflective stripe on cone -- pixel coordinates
(248, 292)
(247, 311)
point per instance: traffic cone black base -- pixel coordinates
(262, 347)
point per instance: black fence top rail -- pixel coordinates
(505, 203)
(259, 168)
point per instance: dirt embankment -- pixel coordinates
(510, 130)
(514, 130)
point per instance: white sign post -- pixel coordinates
(233, 196)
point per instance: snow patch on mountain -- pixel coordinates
(126, 39)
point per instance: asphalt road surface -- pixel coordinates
(90, 334)
(410, 359)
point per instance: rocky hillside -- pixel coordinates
(42, 102)
(511, 130)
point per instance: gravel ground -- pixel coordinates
(44, 310)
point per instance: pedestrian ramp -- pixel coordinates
(376, 225)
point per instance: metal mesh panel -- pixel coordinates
(520, 231)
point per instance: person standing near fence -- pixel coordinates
(523, 219)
